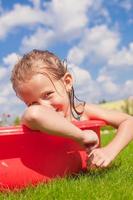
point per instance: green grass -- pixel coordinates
(115, 183)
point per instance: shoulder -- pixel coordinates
(111, 117)
(93, 111)
(92, 108)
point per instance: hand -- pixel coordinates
(90, 140)
(101, 157)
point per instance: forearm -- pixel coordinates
(47, 120)
(123, 137)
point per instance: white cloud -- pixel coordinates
(67, 24)
(3, 100)
(128, 88)
(85, 88)
(40, 39)
(81, 76)
(36, 3)
(98, 42)
(69, 21)
(6, 89)
(99, 13)
(69, 15)
(65, 21)
(104, 44)
(11, 59)
(76, 55)
(3, 72)
(122, 58)
(110, 88)
(103, 77)
(13, 107)
(19, 16)
(8, 101)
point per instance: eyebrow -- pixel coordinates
(44, 92)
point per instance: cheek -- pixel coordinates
(66, 101)
(61, 101)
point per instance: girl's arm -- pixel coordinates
(124, 124)
(47, 120)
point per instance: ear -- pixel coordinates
(68, 81)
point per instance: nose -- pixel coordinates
(45, 103)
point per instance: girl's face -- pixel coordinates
(42, 91)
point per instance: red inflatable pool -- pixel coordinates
(29, 157)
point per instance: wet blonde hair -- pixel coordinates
(43, 62)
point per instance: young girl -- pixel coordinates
(42, 81)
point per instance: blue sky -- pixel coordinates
(96, 38)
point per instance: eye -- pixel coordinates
(47, 95)
(33, 103)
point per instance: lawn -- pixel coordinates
(115, 183)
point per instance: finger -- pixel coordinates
(95, 159)
(99, 163)
(91, 157)
(105, 164)
(90, 164)
(88, 150)
(94, 146)
(92, 152)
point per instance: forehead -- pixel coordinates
(38, 84)
(38, 80)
